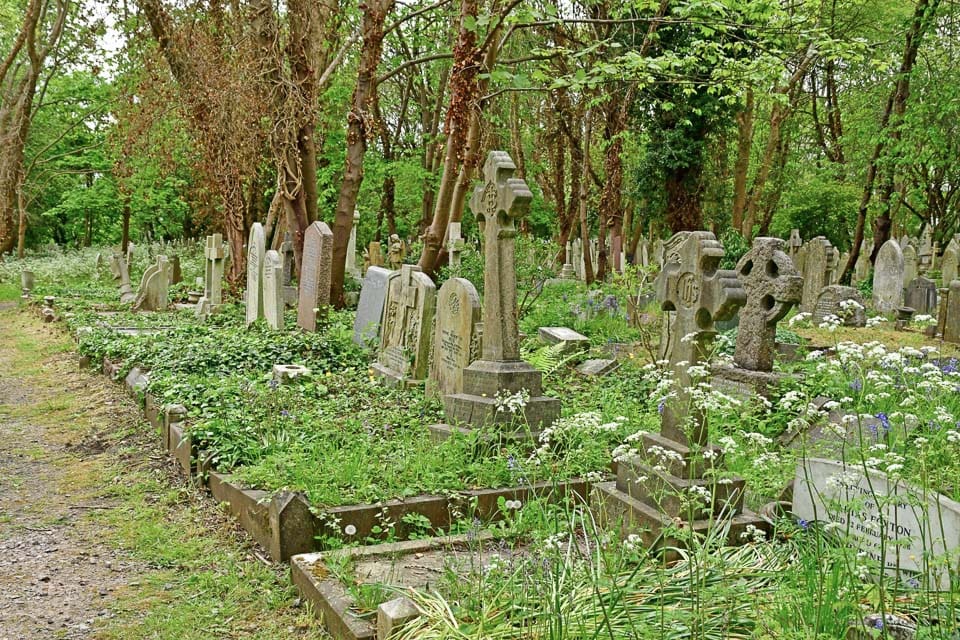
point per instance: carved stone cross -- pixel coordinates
(696, 293)
(212, 286)
(497, 203)
(773, 286)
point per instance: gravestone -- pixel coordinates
(456, 341)
(115, 266)
(154, 287)
(570, 339)
(925, 254)
(658, 251)
(795, 243)
(910, 265)
(256, 247)
(576, 258)
(949, 263)
(351, 264)
(647, 495)
(773, 286)
(126, 289)
(908, 528)
(288, 258)
(597, 367)
(568, 272)
(455, 244)
(888, 278)
(26, 281)
(273, 304)
(818, 264)
(406, 331)
(212, 277)
(498, 202)
(863, 266)
(316, 263)
(839, 260)
(843, 302)
(643, 253)
(951, 315)
(373, 293)
(921, 296)
(131, 251)
(375, 254)
(176, 273)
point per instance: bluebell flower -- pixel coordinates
(885, 421)
(913, 583)
(285, 413)
(274, 384)
(803, 523)
(511, 462)
(856, 385)
(660, 407)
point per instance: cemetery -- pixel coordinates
(480, 320)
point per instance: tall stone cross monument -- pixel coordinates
(697, 293)
(498, 203)
(213, 276)
(652, 490)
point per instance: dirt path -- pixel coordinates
(72, 564)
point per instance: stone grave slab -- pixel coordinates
(831, 302)
(921, 296)
(373, 293)
(273, 304)
(597, 367)
(888, 278)
(256, 248)
(315, 268)
(571, 340)
(406, 332)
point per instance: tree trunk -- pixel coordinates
(374, 15)
(684, 198)
(582, 198)
(742, 164)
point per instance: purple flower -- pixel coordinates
(511, 462)
(885, 421)
(803, 523)
(856, 385)
(661, 406)
(285, 413)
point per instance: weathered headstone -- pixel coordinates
(910, 265)
(26, 280)
(921, 295)
(406, 331)
(888, 278)
(288, 258)
(131, 251)
(597, 367)
(256, 247)
(576, 258)
(115, 266)
(818, 264)
(949, 263)
(498, 203)
(908, 528)
(176, 273)
(351, 264)
(373, 293)
(648, 493)
(951, 315)
(456, 342)
(154, 287)
(568, 272)
(863, 266)
(273, 305)
(842, 302)
(316, 263)
(794, 246)
(773, 286)
(925, 252)
(454, 244)
(375, 254)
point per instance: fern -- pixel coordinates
(548, 358)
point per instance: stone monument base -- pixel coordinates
(483, 380)
(394, 378)
(441, 432)
(744, 384)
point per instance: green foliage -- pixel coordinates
(818, 205)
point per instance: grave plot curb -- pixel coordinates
(334, 603)
(284, 524)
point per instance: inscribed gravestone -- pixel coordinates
(498, 202)
(818, 264)
(904, 525)
(773, 286)
(845, 303)
(455, 340)
(921, 296)
(862, 268)
(273, 290)
(315, 266)
(407, 327)
(888, 278)
(570, 339)
(256, 247)
(910, 265)
(373, 292)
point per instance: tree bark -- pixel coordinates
(358, 120)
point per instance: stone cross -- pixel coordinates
(773, 286)
(213, 280)
(696, 293)
(497, 203)
(454, 244)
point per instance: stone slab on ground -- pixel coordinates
(570, 339)
(597, 367)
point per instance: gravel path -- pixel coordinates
(56, 577)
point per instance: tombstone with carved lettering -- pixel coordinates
(921, 296)
(845, 303)
(654, 483)
(949, 263)
(911, 263)
(498, 203)
(256, 248)
(406, 332)
(273, 305)
(456, 336)
(315, 267)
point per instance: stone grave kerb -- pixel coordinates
(498, 203)
(696, 293)
(773, 287)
